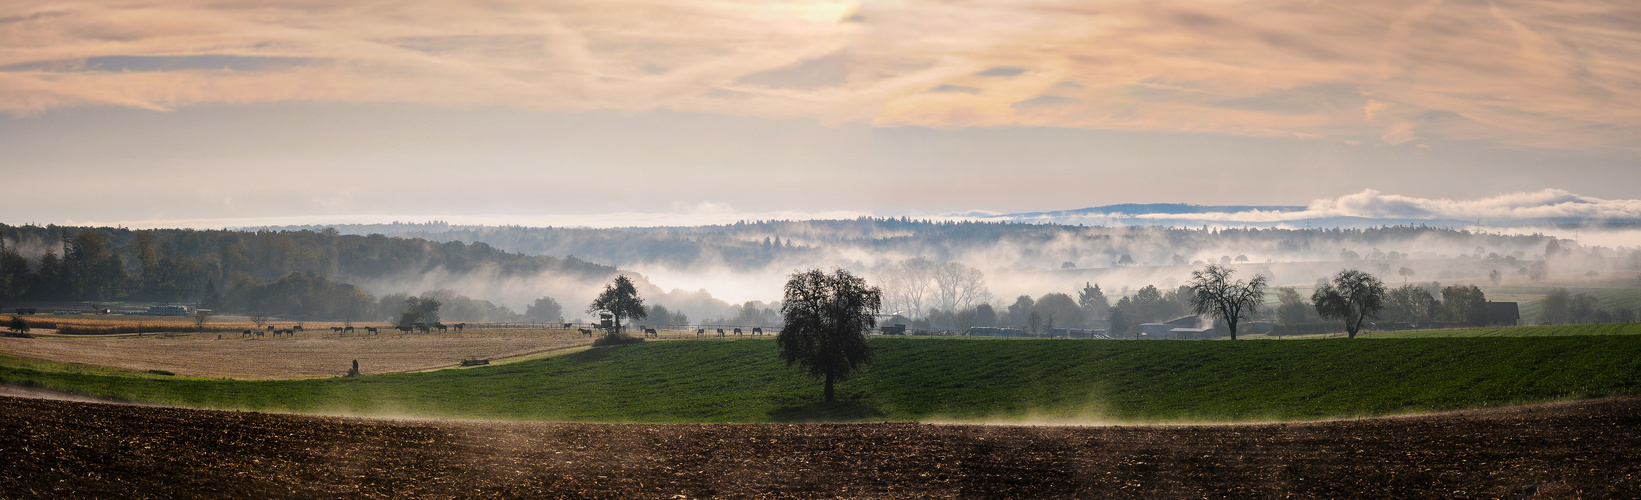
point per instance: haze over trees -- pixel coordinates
(1562, 306)
(827, 318)
(289, 273)
(660, 315)
(1148, 304)
(544, 310)
(935, 274)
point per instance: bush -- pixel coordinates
(17, 327)
(616, 339)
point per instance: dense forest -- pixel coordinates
(302, 272)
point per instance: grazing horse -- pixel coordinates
(700, 332)
(371, 330)
(247, 333)
(720, 332)
(336, 329)
(650, 332)
(441, 327)
(404, 328)
(259, 333)
(348, 328)
(270, 328)
(460, 326)
(737, 332)
(297, 328)
(757, 331)
(290, 332)
(587, 331)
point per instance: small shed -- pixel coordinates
(1503, 314)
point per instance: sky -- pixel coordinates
(166, 113)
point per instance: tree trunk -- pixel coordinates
(829, 397)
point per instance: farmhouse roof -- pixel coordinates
(1502, 312)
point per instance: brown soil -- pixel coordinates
(315, 353)
(52, 448)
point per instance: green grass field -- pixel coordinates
(1611, 294)
(1518, 331)
(943, 379)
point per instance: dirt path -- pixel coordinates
(1589, 449)
(308, 355)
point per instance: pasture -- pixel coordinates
(943, 379)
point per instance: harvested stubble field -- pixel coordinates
(311, 354)
(49, 448)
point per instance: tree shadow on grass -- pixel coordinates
(590, 355)
(822, 411)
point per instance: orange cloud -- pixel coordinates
(1559, 74)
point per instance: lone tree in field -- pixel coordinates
(18, 326)
(259, 318)
(424, 310)
(1213, 292)
(201, 316)
(827, 317)
(1353, 296)
(621, 300)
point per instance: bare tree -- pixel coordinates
(907, 285)
(959, 287)
(200, 317)
(1213, 293)
(259, 318)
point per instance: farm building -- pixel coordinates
(1502, 313)
(1186, 328)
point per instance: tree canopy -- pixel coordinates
(827, 317)
(1353, 296)
(620, 299)
(424, 310)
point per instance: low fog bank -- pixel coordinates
(749, 260)
(734, 273)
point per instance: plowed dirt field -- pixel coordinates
(53, 448)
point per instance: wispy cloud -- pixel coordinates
(1510, 209)
(1559, 74)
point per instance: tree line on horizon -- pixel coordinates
(296, 273)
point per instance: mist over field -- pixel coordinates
(705, 269)
(729, 273)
